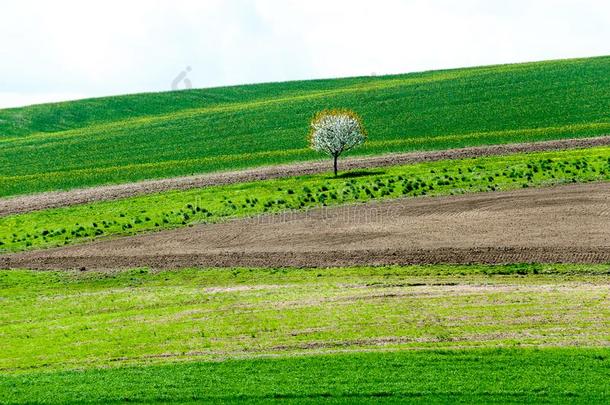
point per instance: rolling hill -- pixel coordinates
(143, 136)
(474, 275)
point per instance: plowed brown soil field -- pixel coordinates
(569, 224)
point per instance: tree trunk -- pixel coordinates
(335, 161)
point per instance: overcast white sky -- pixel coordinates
(59, 50)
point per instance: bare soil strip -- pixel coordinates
(21, 204)
(563, 224)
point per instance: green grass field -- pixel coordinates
(509, 376)
(172, 209)
(339, 335)
(128, 138)
(536, 333)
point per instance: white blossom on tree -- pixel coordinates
(336, 131)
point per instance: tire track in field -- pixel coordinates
(22, 204)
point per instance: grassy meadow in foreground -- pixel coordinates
(67, 320)
(128, 138)
(501, 376)
(367, 334)
(68, 225)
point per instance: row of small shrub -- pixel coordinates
(451, 178)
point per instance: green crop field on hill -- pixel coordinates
(135, 137)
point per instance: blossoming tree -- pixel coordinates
(336, 131)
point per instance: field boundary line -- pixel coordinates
(55, 199)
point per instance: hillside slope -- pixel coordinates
(135, 137)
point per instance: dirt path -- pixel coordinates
(21, 204)
(559, 224)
